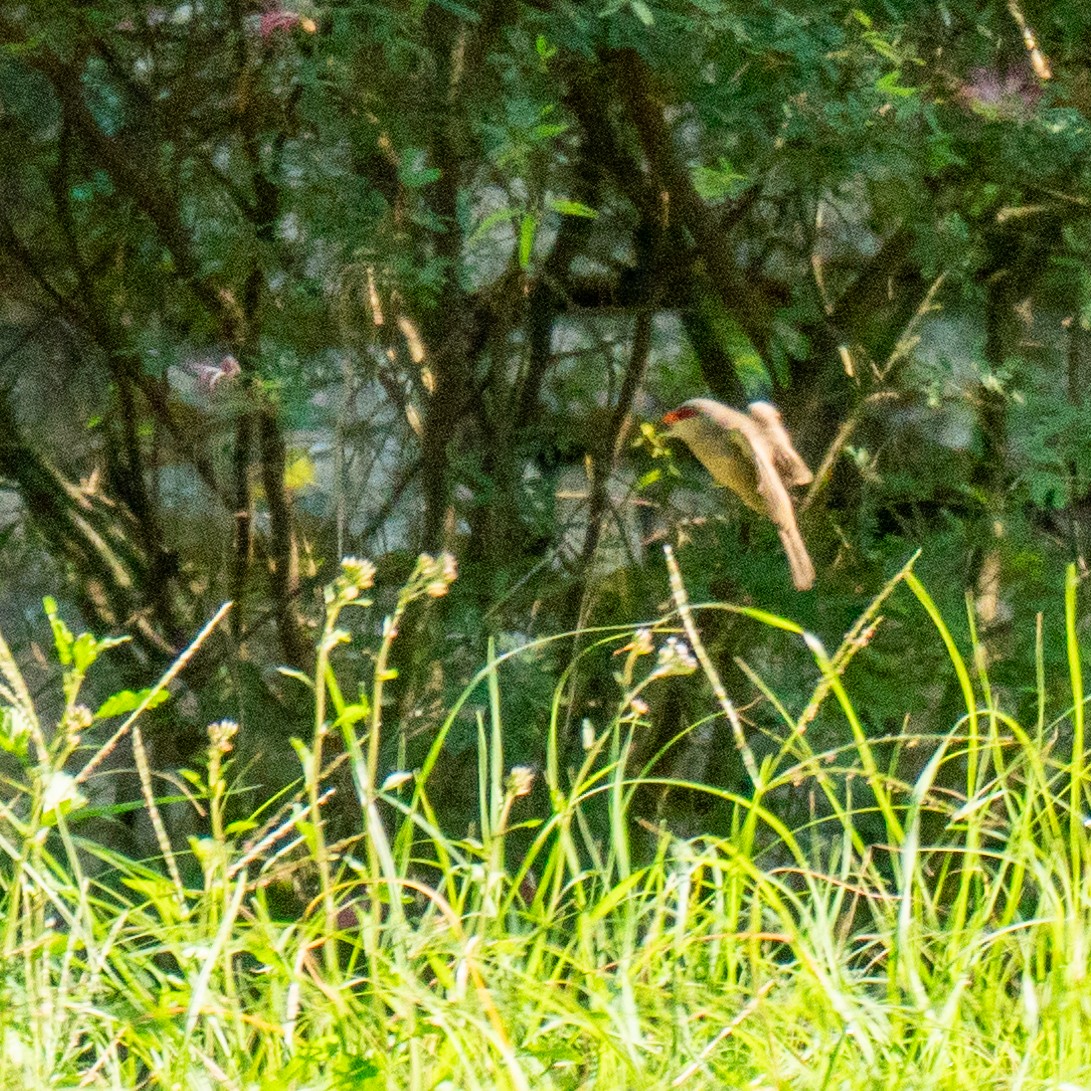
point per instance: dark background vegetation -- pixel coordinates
(284, 283)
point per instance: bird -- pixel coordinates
(752, 454)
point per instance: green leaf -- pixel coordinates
(307, 832)
(62, 635)
(615, 897)
(572, 208)
(889, 85)
(128, 700)
(882, 47)
(14, 732)
(413, 174)
(354, 713)
(528, 228)
(545, 49)
(720, 182)
(302, 751)
(298, 675)
(501, 215)
(159, 892)
(547, 130)
(84, 652)
(299, 473)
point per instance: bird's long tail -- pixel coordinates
(799, 560)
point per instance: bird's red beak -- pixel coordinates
(683, 412)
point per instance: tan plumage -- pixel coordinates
(752, 454)
(792, 469)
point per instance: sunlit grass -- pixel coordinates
(560, 944)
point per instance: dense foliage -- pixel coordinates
(333, 339)
(281, 284)
(917, 918)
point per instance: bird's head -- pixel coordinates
(691, 419)
(676, 416)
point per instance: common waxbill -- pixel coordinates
(752, 454)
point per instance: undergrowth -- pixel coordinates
(563, 945)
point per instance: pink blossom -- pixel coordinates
(209, 376)
(1010, 93)
(272, 21)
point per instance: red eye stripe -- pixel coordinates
(682, 413)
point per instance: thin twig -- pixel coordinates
(144, 772)
(140, 754)
(170, 674)
(745, 1012)
(857, 638)
(273, 836)
(681, 602)
(605, 461)
(904, 344)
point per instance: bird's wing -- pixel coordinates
(791, 467)
(750, 436)
(769, 482)
(778, 505)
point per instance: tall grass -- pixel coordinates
(561, 944)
